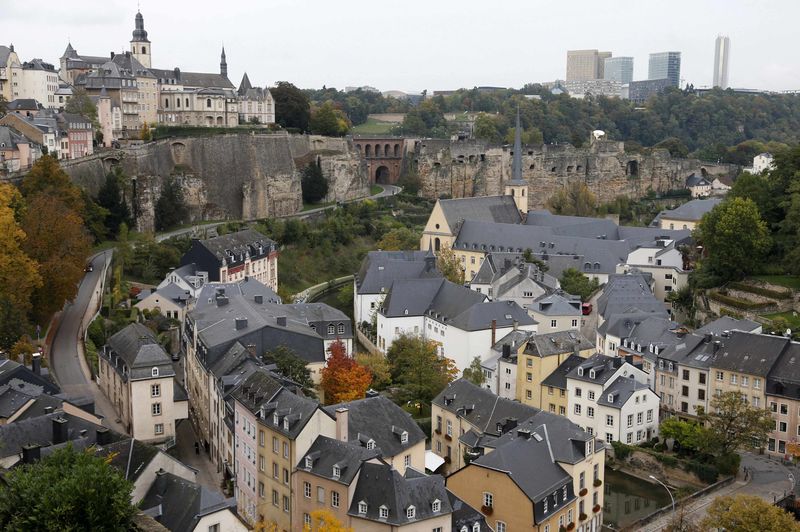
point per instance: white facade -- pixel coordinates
(365, 306)
(506, 379)
(39, 84)
(246, 433)
(763, 162)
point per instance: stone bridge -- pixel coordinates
(384, 157)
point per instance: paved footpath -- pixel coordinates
(770, 480)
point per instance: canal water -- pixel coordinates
(628, 499)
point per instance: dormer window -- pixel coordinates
(580, 372)
(309, 462)
(383, 512)
(411, 512)
(371, 444)
(544, 505)
(404, 437)
(670, 366)
(154, 372)
(660, 364)
(337, 471)
(275, 419)
(285, 423)
(610, 398)
(564, 493)
(436, 506)
(362, 508)
(588, 450)
(331, 329)
(476, 527)
(591, 374)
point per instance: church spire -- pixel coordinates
(516, 165)
(139, 34)
(223, 64)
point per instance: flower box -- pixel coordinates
(583, 517)
(448, 437)
(571, 526)
(598, 483)
(487, 510)
(596, 508)
(583, 492)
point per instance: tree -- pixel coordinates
(81, 104)
(399, 239)
(576, 283)
(3, 105)
(292, 108)
(290, 366)
(447, 262)
(688, 434)
(60, 249)
(378, 366)
(343, 379)
(327, 120)
(19, 275)
(171, 209)
(675, 146)
(68, 490)
(325, 521)
(474, 372)
(747, 513)
(110, 198)
(46, 177)
(416, 365)
(144, 133)
(485, 128)
(735, 238)
(733, 423)
(574, 199)
(313, 184)
(681, 522)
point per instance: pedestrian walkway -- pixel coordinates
(185, 452)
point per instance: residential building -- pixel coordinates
(541, 356)
(687, 216)
(619, 69)
(171, 301)
(273, 428)
(16, 151)
(181, 505)
(545, 474)
(783, 400)
(642, 337)
(118, 76)
(79, 135)
(136, 375)
(722, 53)
(500, 366)
(379, 270)
(663, 261)
(553, 390)
(39, 81)
(606, 394)
(583, 65)
(236, 256)
(724, 325)
(682, 377)
(512, 268)
(10, 73)
(378, 423)
(256, 105)
(459, 320)
(699, 186)
(626, 293)
(763, 162)
(74, 65)
(665, 65)
(443, 223)
(556, 312)
(466, 418)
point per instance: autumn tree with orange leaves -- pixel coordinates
(343, 379)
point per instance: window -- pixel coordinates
(154, 372)
(275, 445)
(582, 480)
(574, 323)
(286, 505)
(577, 410)
(307, 490)
(159, 428)
(261, 489)
(686, 374)
(476, 527)
(449, 428)
(410, 512)
(335, 499)
(562, 410)
(362, 507)
(733, 378)
(337, 472)
(784, 409)
(332, 329)
(782, 426)
(320, 494)
(285, 450)
(639, 418)
(275, 498)
(629, 438)
(577, 392)
(630, 420)
(436, 506)
(745, 381)
(214, 528)
(609, 437)
(262, 463)
(371, 444)
(529, 376)
(591, 395)
(155, 390)
(275, 469)
(720, 376)
(773, 406)
(609, 420)
(307, 520)
(649, 416)
(261, 438)
(501, 526)
(756, 383)
(701, 395)
(407, 460)
(488, 499)
(553, 323)
(589, 412)
(156, 409)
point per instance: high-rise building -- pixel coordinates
(585, 65)
(665, 65)
(618, 69)
(722, 54)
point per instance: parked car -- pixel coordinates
(586, 309)
(89, 267)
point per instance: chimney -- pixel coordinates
(161, 481)
(241, 323)
(342, 417)
(48, 410)
(31, 453)
(36, 363)
(707, 337)
(112, 55)
(515, 324)
(494, 331)
(281, 320)
(251, 348)
(717, 345)
(60, 430)
(524, 433)
(103, 436)
(222, 300)
(259, 299)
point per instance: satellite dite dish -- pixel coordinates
(598, 134)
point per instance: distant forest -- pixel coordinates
(714, 125)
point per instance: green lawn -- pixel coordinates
(373, 127)
(310, 206)
(789, 281)
(375, 189)
(791, 319)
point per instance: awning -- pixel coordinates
(433, 461)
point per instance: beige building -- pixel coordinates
(256, 105)
(543, 475)
(540, 357)
(586, 65)
(688, 215)
(553, 391)
(784, 403)
(39, 81)
(10, 73)
(137, 377)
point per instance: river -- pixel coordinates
(628, 499)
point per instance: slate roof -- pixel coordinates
(556, 343)
(380, 485)
(622, 389)
(480, 407)
(784, 377)
(238, 242)
(727, 324)
(465, 515)
(691, 350)
(139, 351)
(171, 292)
(379, 419)
(751, 354)
(505, 280)
(625, 292)
(179, 504)
(556, 304)
(420, 296)
(129, 456)
(499, 209)
(193, 79)
(326, 452)
(10, 370)
(23, 104)
(503, 313)
(604, 368)
(380, 269)
(5, 51)
(647, 331)
(697, 181)
(558, 377)
(691, 211)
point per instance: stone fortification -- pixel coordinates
(236, 176)
(473, 168)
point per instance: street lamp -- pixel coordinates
(668, 491)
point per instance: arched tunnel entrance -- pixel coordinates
(382, 176)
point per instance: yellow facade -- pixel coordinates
(437, 233)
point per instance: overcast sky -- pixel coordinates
(417, 44)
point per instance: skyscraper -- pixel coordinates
(665, 65)
(585, 65)
(722, 53)
(618, 69)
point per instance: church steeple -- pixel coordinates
(140, 45)
(223, 64)
(517, 187)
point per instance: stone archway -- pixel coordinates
(383, 176)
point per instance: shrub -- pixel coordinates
(424, 424)
(728, 464)
(708, 473)
(621, 451)
(669, 461)
(761, 291)
(735, 302)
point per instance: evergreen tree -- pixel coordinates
(313, 184)
(110, 198)
(171, 209)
